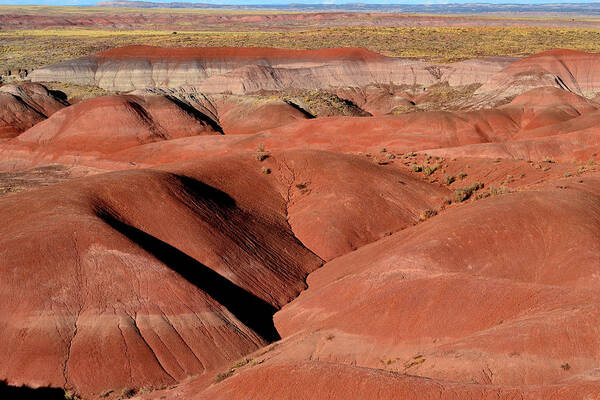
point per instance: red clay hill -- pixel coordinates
(24, 105)
(245, 70)
(329, 229)
(111, 123)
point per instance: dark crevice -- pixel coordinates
(197, 114)
(562, 84)
(60, 96)
(218, 209)
(302, 110)
(9, 392)
(147, 119)
(139, 333)
(252, 311)
(29, 106)
(350, 104)
(194, 189)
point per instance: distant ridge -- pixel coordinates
(455, 8)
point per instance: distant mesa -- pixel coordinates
(247, 70)
(440, 8)
(251, 70)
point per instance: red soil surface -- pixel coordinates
(571, 70)
(423, 291)
(118, 248)
(111, 123)
(218, 247)
(339, 381)
(563, 129)
(24, 105)
(247, 116)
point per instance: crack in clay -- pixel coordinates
(135, 326)
(69, 346)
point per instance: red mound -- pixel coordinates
(446, 274)
(317, 379)
(238, 115)
(341, 134)
(564, 129)
(377, 100)
(235, 114)
(547, 106)
(554, 124)
(146, 277)
(339, 203)
(111, 123)
(244, 53)
(422, 291)
(188, 289)
(428, 284)
(24, 105)
(571, 70)
(577, 146)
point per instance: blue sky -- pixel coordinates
(250, 2)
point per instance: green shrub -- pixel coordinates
(430, 170)
(427, 214)
(260, 153)
(465, 193)
(221, 376)
(241, 363)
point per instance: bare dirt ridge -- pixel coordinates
(280, 224)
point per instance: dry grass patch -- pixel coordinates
(35, 48)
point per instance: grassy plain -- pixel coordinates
(32, 48)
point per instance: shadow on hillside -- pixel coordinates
(23, 392)
(252, 311)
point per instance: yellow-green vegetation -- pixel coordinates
(426, 214)
(318, 103)
(448, 180)
(241, 363)
(428, 170)
(440, 96)
(403, 109)
(261, 154)
(77, 92)
(69, 395)
(226, 374)
(416, 360)
(34, 48)
(464, 193)
(493, 191)
(9, 189)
